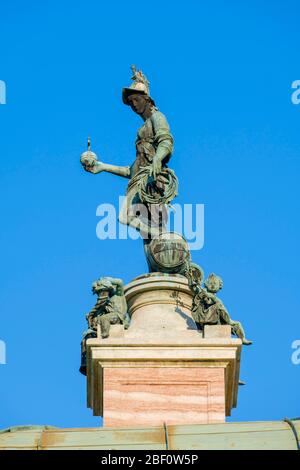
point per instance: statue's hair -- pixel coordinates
(102, 284)
(217, 278)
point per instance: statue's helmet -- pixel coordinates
(140, 86)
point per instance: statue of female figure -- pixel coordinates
(151, 184)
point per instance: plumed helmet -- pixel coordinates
(140, 85)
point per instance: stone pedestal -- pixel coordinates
(162, 369)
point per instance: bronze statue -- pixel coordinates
(152, 185)
(208, 309)
(110, 309)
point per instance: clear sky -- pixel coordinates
(222, 73)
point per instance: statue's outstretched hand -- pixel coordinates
(97, 167)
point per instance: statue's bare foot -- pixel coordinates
(146, 231)
(246, 341)
(154, 232)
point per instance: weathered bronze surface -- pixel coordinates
(152, 185)
(208, 309)
(151, 188)
(110, 309)
(168, 253)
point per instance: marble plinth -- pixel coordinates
(162, 369)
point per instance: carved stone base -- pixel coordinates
(162, 369)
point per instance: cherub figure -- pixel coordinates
(208, 309)
(110, 309)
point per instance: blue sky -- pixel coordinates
(222, 73)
